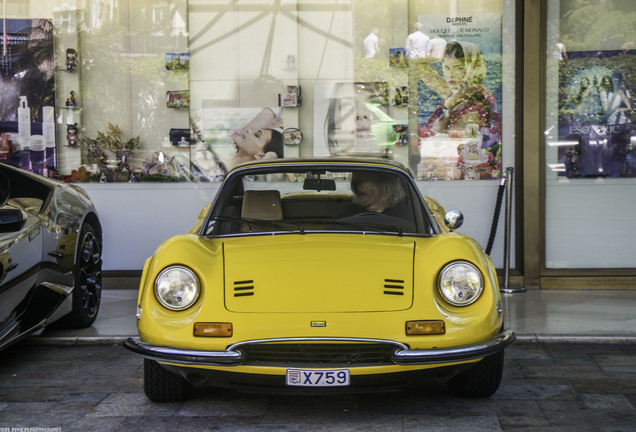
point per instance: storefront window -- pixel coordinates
(91, 89)
(590, 174)
(121, 90)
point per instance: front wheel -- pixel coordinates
(482, 380)
(161, 385)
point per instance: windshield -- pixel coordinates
(283, 200)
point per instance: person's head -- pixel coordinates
(585, 83)
(254, 143)
(606, 82)
(617, 80)
(376, 191)
(463, 63)
(275, 144)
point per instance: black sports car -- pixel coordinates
(50, 255)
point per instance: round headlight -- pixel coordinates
(177, 288)
(460, 283)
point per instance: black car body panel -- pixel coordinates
(40, 220)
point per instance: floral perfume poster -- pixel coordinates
(459, 97)
(27, 86)
(596, 115)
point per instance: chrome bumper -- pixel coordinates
(448, 355)
(402, 355)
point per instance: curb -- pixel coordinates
(579, 339)
(69, 340)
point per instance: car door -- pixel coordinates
(20, 257)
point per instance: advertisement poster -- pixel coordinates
(459, 97)
(595, 114)
(238, 135)
(356, 119)
(27, 93)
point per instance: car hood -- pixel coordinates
(291, 274)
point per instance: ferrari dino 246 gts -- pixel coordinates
(320, 276)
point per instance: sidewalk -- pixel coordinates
(600, 316)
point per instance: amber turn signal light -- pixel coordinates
(212, 329)
(429, 327)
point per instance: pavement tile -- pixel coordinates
(131, 405)
(96, 424)
(535, 390)
(328, 419)
(444, 424)
(620, 364)
(606, 385)
(35, 394)
(571, 351)
(42, 414)
(562, 405)
(523, 422)
(518, 351)
(607, 401)
(574, 368)
(593, 419)
(84, 397)
(631, 397)
(233, 406)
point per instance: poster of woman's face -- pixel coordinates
(238, 135)
(355, 118)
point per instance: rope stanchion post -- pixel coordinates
(495, 219)
(507, 289)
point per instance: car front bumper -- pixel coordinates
(402, 355)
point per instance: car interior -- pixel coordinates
(257, 204)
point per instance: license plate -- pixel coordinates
(317, 378)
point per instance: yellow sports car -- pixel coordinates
(320, 276)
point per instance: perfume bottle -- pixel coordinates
(24, 121)
(24, 134)
(36, 154)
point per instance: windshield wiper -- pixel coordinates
(260, 224)
(366, 227)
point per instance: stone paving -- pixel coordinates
(546, 387)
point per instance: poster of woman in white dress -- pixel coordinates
(596, 114)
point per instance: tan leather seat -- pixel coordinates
(262, 205)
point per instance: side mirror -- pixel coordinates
(5, 189)
(454, 219)
(11, 220)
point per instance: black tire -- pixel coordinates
(87, 290)
(161, 385)
(482, 380)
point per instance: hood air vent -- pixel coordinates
(243, 288)
(393, 287)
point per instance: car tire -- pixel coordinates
(482, 380)
(161, 385)
(87, 289)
